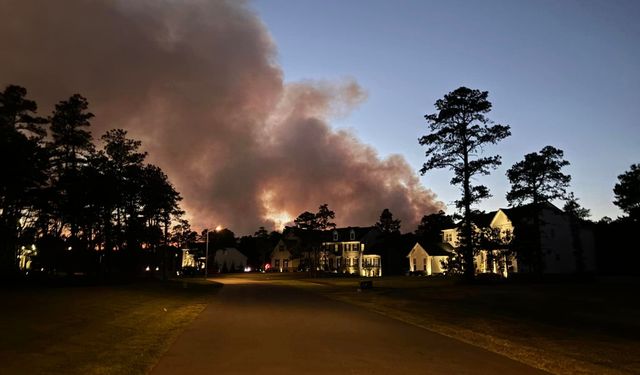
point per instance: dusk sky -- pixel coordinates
(561, 73)
(261, 110)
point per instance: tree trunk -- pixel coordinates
(467, 245)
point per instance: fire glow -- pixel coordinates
(204, 94)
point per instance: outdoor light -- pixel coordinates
(147, 269)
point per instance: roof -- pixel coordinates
(517, 214)
(362, 234)
(301, 239)
(526, 212)
(438, 248)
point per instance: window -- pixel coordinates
(424, 264)
(448, 237)
(281, 248)
(285, 264)
(335, 235)
(352, 235)
(277, 263)
(415, 261)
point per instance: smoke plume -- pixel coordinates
(197, 82)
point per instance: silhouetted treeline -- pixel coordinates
(81, 207)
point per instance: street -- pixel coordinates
(256, 326)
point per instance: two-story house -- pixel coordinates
(565, 246)
(346, 250)
(341, 250)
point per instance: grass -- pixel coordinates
(120, 329)
(564, 328)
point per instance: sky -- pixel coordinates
(260, 110)
(561, 73)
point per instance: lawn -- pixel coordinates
(562, 327)
(121, 329)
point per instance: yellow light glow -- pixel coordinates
(278, 217)
(219, 228)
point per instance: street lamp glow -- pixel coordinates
(219, 228)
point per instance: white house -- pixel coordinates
(230, 259)
(346, 250)
(566, 245)
(429, 259)
(283, 258)
(341, 250)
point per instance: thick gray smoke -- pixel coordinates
(197, 82)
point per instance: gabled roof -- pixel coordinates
(438, 248)
(516, 215)
(527, 211)
(362, 234)
(434, 249)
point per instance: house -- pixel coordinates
(285, 257)
(341, 250)
(431, 261)
(346, 250)
(230, 259)
(566, 245)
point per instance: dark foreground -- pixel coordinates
(259, 327)
(108, 329)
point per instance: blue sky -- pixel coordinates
(562, 73)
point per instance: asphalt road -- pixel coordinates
(259, 328)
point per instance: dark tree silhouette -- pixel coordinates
(577, 216)
(60, 193)
(307, 221)
(537, 179)
(323, 217)
(458, 133)
(431, 226)
(22, 167)
(627, 192)
(387, 224)
(182, 234)
(573, 208)
(69, 151)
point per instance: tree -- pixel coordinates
(23, 170)
(306, 221)
(573, 208)
(627, 192)
(323, 216)
(431, 226)
(182, 234)
(69, 152)
(387, 224)
(537, 179)
(458, 132)
(577, 216)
